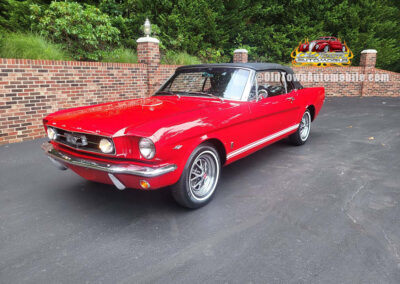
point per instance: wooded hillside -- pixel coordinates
(207, 29)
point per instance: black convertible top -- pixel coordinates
(254, 66)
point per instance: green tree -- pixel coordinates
(14, 15)
(212, 29)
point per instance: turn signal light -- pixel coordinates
(144, 184)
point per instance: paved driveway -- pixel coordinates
(324, 212)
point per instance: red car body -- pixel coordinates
(323, 44)
(176, 125)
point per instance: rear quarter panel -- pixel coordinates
(310, 97)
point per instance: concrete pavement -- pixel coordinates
(324, 212)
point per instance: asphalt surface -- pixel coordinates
(324, 212)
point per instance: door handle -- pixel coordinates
(291, 99)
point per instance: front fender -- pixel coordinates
(180, 153)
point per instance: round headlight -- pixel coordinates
(317, 46)
(106, 146)
(51, 133)
(147, 148)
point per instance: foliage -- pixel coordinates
(369, 24)
(16, 45)
(212, 29)
(179, 58)
(84, 31)
(14, 15)
(122, 55)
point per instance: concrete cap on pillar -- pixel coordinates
(241, 50)
(369, 51)
(147, 39)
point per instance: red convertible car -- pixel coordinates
(204, 117)
(324, 44)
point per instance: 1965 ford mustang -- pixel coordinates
(204, 117)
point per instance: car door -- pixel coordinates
(273, 113)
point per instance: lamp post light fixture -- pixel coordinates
(147, 34)
(147, 27)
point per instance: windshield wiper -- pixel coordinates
(167, 93)
(207, 94)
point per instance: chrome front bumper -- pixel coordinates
(59, 159)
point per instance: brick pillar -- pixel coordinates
(367, 62)
(240, 56)
(368, 58)
(148, 53)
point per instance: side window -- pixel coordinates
(271, 83)
(253, 91)
(289, 83)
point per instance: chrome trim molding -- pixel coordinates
(247, 88)
(118, 184)
(128, 169)
(57, 164)
(261, 141)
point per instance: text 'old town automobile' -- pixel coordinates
(204, 117)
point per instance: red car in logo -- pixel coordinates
(324, 44)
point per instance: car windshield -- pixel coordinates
(227, 83)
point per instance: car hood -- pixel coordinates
(116, 118)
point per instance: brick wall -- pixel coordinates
(341, 88)
(391, 88)
(31, 89)
(350, 82)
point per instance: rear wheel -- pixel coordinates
(301, 135)
(199, 179)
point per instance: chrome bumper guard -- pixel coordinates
(56, 157)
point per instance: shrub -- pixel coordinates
(122, 55)
(179, 58)
(14, 15)
(213, 55)
(85, 31)
(30, 46)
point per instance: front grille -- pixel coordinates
(80, 141)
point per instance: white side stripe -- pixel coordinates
(261, 141)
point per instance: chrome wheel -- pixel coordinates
(203, 175)
(305, 126)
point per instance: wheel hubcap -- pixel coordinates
(203, 175)
(305, 126)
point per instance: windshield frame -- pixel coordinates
(246, 89)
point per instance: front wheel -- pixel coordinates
(301, 135)
(199, 179)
